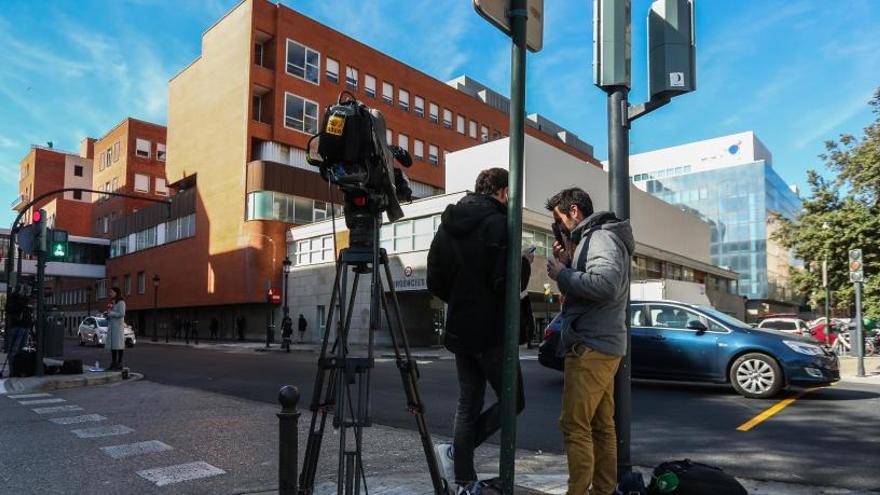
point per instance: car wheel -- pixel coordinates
(129, 344)
(81, 341)
(95, 341)
(756, 376)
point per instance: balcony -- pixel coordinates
(18, 202)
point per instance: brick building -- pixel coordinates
(239, 118)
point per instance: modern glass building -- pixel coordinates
(730, 183)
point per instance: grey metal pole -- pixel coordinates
(828, 326)
(40, 326)
(859, 337)
(618, 194)
(288, 440)
(518, 18)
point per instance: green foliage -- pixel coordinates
(840, 214)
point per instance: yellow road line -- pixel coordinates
(773, 410)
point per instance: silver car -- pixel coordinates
(94, 330)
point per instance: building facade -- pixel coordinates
(239, 119)
(730, 183)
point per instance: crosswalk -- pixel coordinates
(84, 428)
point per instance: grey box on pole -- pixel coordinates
(671, 48)
(612, 43)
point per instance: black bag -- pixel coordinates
(686, 477)
(72, 367)
(23, 364)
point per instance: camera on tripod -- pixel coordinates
(352, 153)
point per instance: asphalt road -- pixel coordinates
(824, 438)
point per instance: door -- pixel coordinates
(644, 342)
(684, 353)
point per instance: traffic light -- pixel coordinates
(58, 248)
(856, 273)
(40, 235)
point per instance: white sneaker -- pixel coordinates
(447, 464)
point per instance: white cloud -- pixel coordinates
(5, 142)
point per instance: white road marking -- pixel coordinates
(182, 472)
(29, 396)
(56, 409)
(102, 431)
(72, 420)
(40, 401)
(132, 449)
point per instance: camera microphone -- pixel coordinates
(401, 155)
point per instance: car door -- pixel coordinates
(88, 328)
(642, 343)
(685, 353)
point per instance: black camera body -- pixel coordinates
(352, 153)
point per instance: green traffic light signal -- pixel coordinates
(58, 250)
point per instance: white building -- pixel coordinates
(668, 241)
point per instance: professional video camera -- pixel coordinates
(351, 152)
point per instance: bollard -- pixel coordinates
(288, 440)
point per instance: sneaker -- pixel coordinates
(473, 488)
(447, 463)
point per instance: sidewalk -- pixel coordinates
(48, 383)
(849, 368)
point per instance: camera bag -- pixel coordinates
(686, 477)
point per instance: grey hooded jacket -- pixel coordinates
(596, 285)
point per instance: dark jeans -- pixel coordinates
(473, 426)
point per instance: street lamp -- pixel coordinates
(826, 226)
(155, 307)
(288, 265)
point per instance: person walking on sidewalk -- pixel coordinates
(592, 270)
(302, 323)
(214, 327)
(466, 269)
(115, 338)
(286, 331)
(241, 325)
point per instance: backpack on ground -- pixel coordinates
(686, 477)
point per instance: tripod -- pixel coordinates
(339, 373)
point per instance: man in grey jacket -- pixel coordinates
(592, 270)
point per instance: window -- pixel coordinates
(331, 69)
(114, 184)
(419, 149)
(351, 78)
(101, 288)
(160, 152)
(303, 62)
(142, 148)
(403, 141)
(459, 124)
(257, 106)
(106, 189)
(484, 133)
(322, 315)
(142, 282)
(78, 170)
(161, 187)
(389, 138)
(258, 54)
(447, 118)
(387, 93)
(419, 106)
(637, 316)
(315, 250)
(300, 114)
(141, 183)
(370, 85)
(116, 151)
(127, 283)
(432, 155)
(663, 316)
(77, 195)
(472, 131)
(433, 112)
(403, 99)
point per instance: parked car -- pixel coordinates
(94, 330)
(788, 325)
(678, 341)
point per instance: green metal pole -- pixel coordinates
(518, 17)
(827, 301)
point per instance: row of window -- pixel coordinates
(71, 296)
(141, 185)
(126, 283)
(272, 205)
(661, 174)
(157, 235)
(304, 63)
(143, 149)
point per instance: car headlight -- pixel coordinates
(804, 348)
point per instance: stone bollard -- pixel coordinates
(288, 440)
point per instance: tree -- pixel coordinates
(841, 213)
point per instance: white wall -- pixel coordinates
(71, 180)
(548, 170)
(724, 151)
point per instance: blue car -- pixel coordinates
(678, 341)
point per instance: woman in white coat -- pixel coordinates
(115, 338)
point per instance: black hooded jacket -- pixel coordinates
(466, 269)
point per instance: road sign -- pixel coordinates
(856, 267)
(496, 12)
(274, 296)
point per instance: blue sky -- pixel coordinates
(796, 72)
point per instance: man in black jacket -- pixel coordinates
(466, 269)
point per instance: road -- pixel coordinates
(825, 438)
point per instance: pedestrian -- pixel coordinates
(115, 337)
(467, 270)
(20, 320)
(286, 331)
(302, 324)
(592, 270)
(214, 326)
(178, 326)
(241, 325)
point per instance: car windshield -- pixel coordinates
(101, 322)
(779, 325)
(723, 317)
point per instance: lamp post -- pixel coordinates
(826, 226)
(155, 307)
(288, 265)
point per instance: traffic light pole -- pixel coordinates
(859, 338)
(40, 327)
